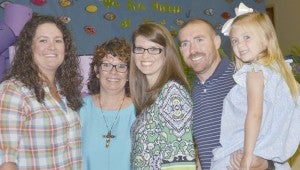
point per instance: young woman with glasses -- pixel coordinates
(108, 113)
(161, 134)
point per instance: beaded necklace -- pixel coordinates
(109, 135)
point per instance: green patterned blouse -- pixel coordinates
(162, 134)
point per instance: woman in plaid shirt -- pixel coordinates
(39, 125)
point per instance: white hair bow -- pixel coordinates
(289, 63)
(242, 9)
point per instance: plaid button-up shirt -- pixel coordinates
(37, 136)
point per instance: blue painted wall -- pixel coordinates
(111, 18)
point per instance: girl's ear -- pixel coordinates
(265, 45)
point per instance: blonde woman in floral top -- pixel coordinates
(162, 134)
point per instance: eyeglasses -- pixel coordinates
(152, 50)
(119, 67)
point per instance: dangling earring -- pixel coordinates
(96, 69)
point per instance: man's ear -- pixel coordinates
(217, 41)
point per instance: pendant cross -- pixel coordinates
(108, 136)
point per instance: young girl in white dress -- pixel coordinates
(261, 113)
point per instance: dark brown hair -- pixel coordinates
(117, 47)
(24, 69)
(142, 95)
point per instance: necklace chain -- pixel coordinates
(109, 135)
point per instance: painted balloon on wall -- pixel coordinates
(39, 2)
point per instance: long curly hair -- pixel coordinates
(24, 68)
(117, 47)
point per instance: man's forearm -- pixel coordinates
(9, 166)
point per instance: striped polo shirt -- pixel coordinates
(207, 109)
